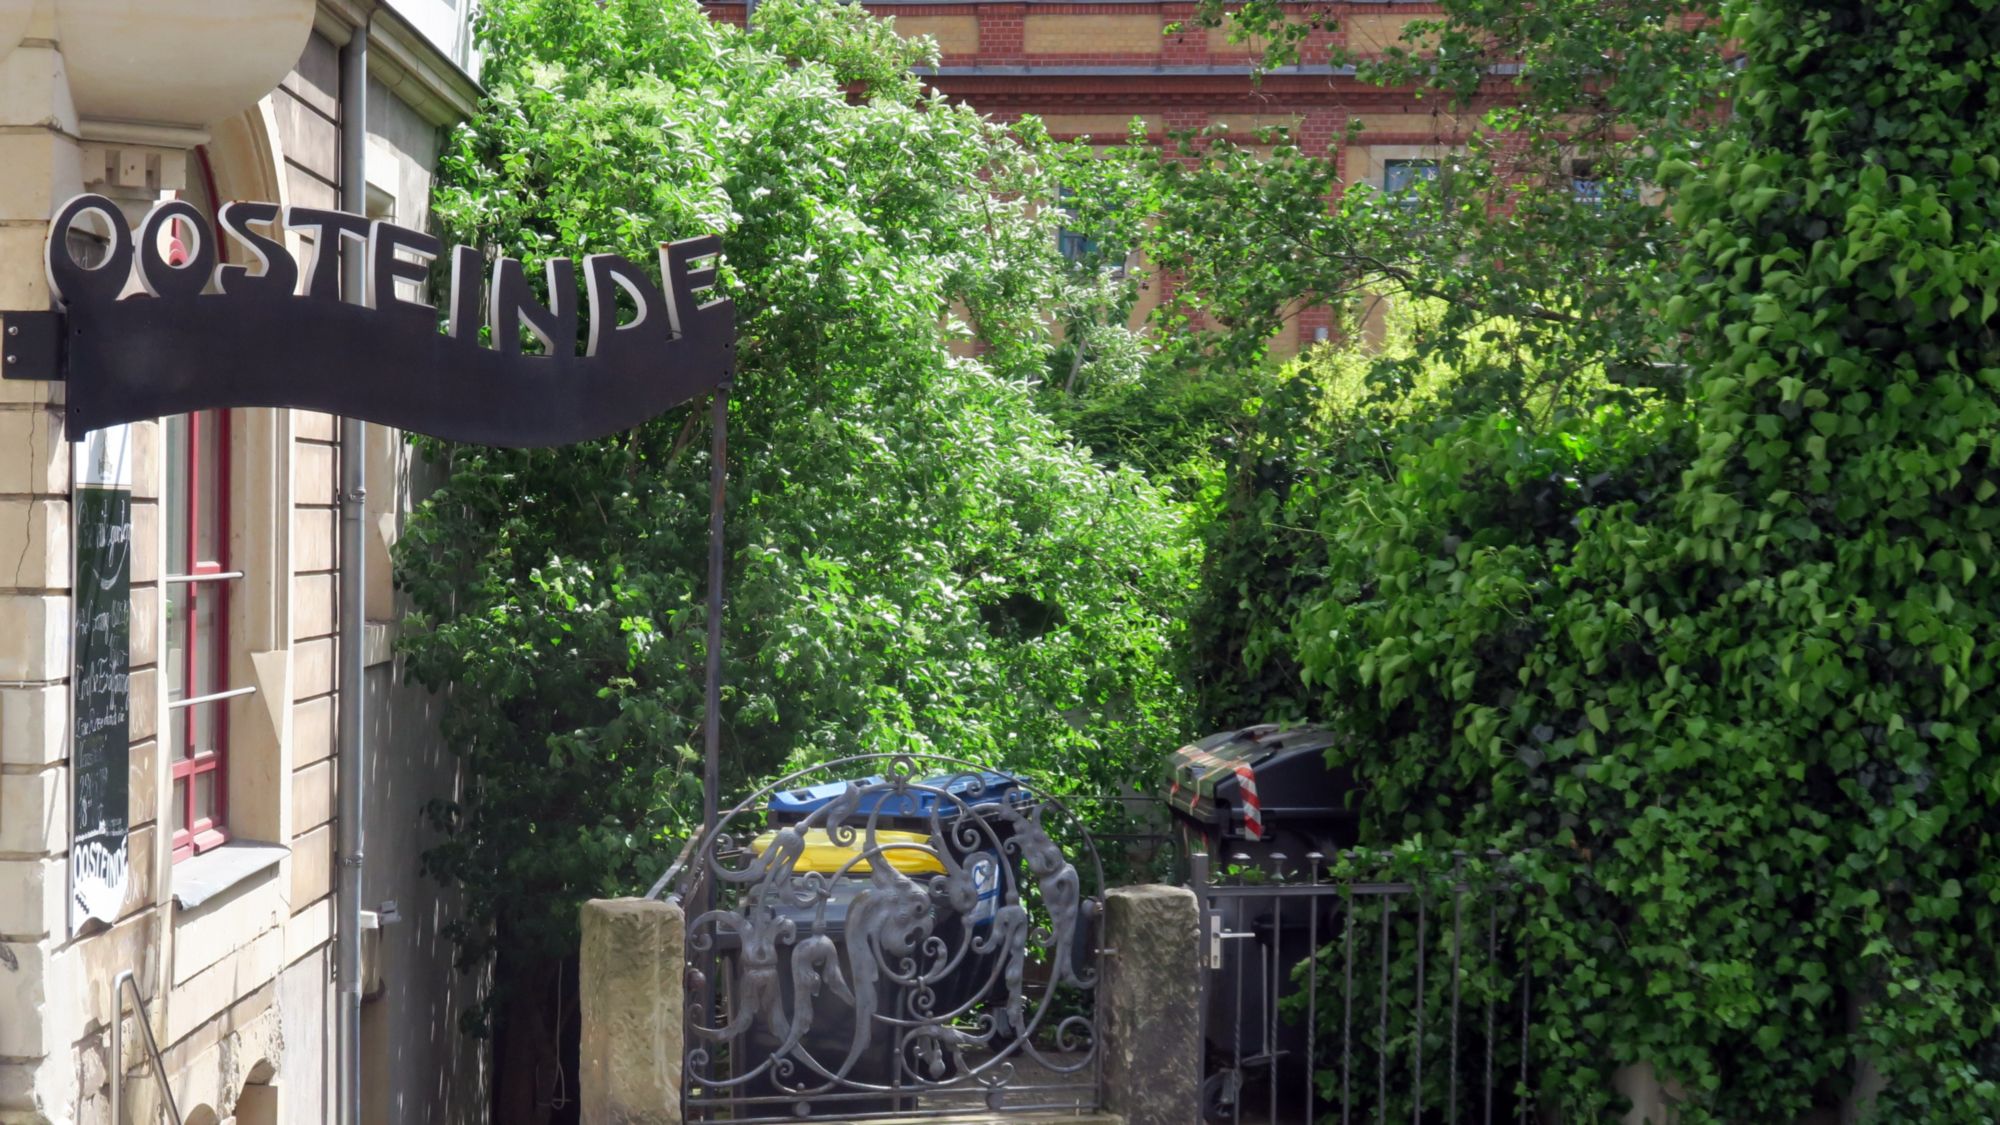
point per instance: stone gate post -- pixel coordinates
(630, 975)
(1151, 1005)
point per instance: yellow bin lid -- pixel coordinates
(908, 852)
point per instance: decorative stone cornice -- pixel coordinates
(180, 63)
(140, 133)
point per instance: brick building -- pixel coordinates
(1088, 69)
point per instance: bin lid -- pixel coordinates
(1195, 771)
(907, 852)
(993, 788)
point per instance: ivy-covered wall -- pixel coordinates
(1725, 673)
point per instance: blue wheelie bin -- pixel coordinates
(982, 854)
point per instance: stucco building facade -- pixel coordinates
(227, 918)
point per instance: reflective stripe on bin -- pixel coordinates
(985, 870)
(908, 852)
(1253, 812)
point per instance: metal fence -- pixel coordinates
(916, 945)
(1330, 996)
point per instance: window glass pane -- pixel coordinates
(206, 656)
(208, 727)
(176, 670)
(180, 807)
(1402, 175)
(174, 515)
(1073, 244)
(209, 468)
(204, 796)
(1584, 185)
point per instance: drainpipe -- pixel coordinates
(353, 600)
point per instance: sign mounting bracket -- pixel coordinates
(31, 345)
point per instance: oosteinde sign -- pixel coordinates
(142, 333)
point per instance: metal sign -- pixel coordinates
(160, 321)
(141, 334)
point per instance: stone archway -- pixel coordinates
(257, 1104)
(244, 157)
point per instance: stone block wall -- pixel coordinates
(237, 978)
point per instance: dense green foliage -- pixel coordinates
(1540, 304)
(917, 559)
(1656, 546)
(1715, 663)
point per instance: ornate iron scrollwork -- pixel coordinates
(920, 943)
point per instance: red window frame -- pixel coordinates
(206, 591)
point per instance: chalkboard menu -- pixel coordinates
(100, 747)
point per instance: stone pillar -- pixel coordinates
(39, 168)
(1652, 1102)
(630, 977)
(1151, 1005)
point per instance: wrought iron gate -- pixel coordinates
(1336, 997)
(920, 940)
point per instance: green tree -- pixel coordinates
(918, 559)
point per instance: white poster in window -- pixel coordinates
(100, 744)
(104, 458)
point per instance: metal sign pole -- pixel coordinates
(703, 898)
(711, 767)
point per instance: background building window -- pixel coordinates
(1401, 177)
(1071, 243)
(199, 582)
(1584, 185)
(1075, 245)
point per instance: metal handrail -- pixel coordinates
(213, 576)
(211, 697)
(144, 1020)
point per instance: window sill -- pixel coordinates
(214, 873)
